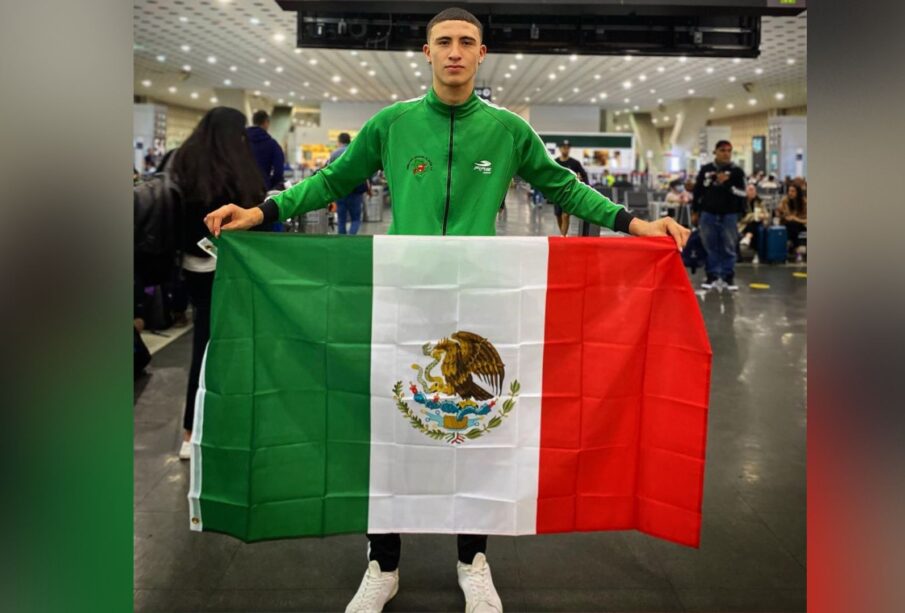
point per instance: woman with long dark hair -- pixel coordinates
(793, 213)
(215, 166)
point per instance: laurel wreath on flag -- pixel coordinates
(456, 438)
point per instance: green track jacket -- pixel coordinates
(448, 169)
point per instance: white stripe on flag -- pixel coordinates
(425, 290)
(195, 519)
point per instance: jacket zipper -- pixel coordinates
(452, 117)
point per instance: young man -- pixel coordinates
(719, 198)
(448, 157)
(348, 207)
(564, 160)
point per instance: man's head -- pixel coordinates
(344, 138)
(564, 148)
(261, 119)
(454, 48)
(722, 153)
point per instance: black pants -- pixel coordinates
(386, 548)
(199, 285)
(795, 228)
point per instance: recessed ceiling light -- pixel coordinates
(279, 69)
(194, 95)
(559, 99)
(527, 99)
(261, 60)
(409, 54)
(551, 76)
(233, 68)
(752, 101)
(653, 91)
(186, 48)
(683, 59)
(266, 83)
(305, 84)
(254, 21)
(146, 83)
(779, 95)
(711, 109)
(660, 69)
(214, 100)
(499, 89)
(573, 57)
(691, 92)
(326, 95)
(790, 61)
(227, 82)
(394, 96)
(161, 58)
(666, 118)
(642, 77)
(353, 52)
(417, 73)
(758, 71)
(627, 100)
(730, 106)
(709, 70)
(626, 84)
(659, 100)
(184, 19)
(687, 77)
(507, 75)
(736, 60)
(575, 90)
(602, 95)
(732, 79)
(279, 37)
(560, 68)
(519, 56)
(593, 100)
(257, 92)
(537, 89)
(596, 77)
(297, 50)
(171, 89)
(636, 107)
(423, 87)
(312, 61)
(654, 120)
(628, 58)
(336, 78)
(292, 94)
(372, 72)
(211, 59)
(186, 68)
(353, 90)
(512, 66)
(334, 98)
(363, 63)
(413, 65)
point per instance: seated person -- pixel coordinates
(755, 215)
(793, 214)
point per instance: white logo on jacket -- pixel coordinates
(484, 166)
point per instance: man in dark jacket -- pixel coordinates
(719, 198)
(267, 152)
(567, 161)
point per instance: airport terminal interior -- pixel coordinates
(642, 121)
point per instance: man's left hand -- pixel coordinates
(665, 226)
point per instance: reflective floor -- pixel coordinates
(752, 554)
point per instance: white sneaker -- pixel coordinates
(377, 588)
(476, 582)
(185, 451)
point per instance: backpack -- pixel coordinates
(159, 227)
(694, 255)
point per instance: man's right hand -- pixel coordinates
(232, 217)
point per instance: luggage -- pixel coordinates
(694, 255)
(773, 244)
(158, 227)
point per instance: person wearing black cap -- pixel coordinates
(562, 218)
(719, 197)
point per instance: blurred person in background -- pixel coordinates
(567, 161)
(348, 207)
(268, 153)
(756, 214)
(213, 167)
(793, 214)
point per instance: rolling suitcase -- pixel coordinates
(773, 243)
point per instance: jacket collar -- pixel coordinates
(471, 104)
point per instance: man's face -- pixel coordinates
(723, 154)
(564, 150)
(454, 51)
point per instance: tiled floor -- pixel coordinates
(752, 555)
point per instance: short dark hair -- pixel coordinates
(344, 138)
(720, 143)
(259, 118)
(454, 14)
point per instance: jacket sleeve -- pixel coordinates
(583, 174)
(359, 161)
(738, 190)
(279, 159)
(698, 191)
(562, 186)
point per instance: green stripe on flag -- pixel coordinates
(286, 429)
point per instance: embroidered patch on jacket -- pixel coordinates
(484, 167)
(454, 407)
(419, 165)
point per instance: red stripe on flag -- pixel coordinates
(625, 386)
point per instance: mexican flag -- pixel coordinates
(490, 385)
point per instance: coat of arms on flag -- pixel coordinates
(454, 407)
(486, 385)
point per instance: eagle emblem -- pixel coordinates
(460, 403)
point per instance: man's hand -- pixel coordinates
(232, 217)
(665, 226)
(722, 177)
